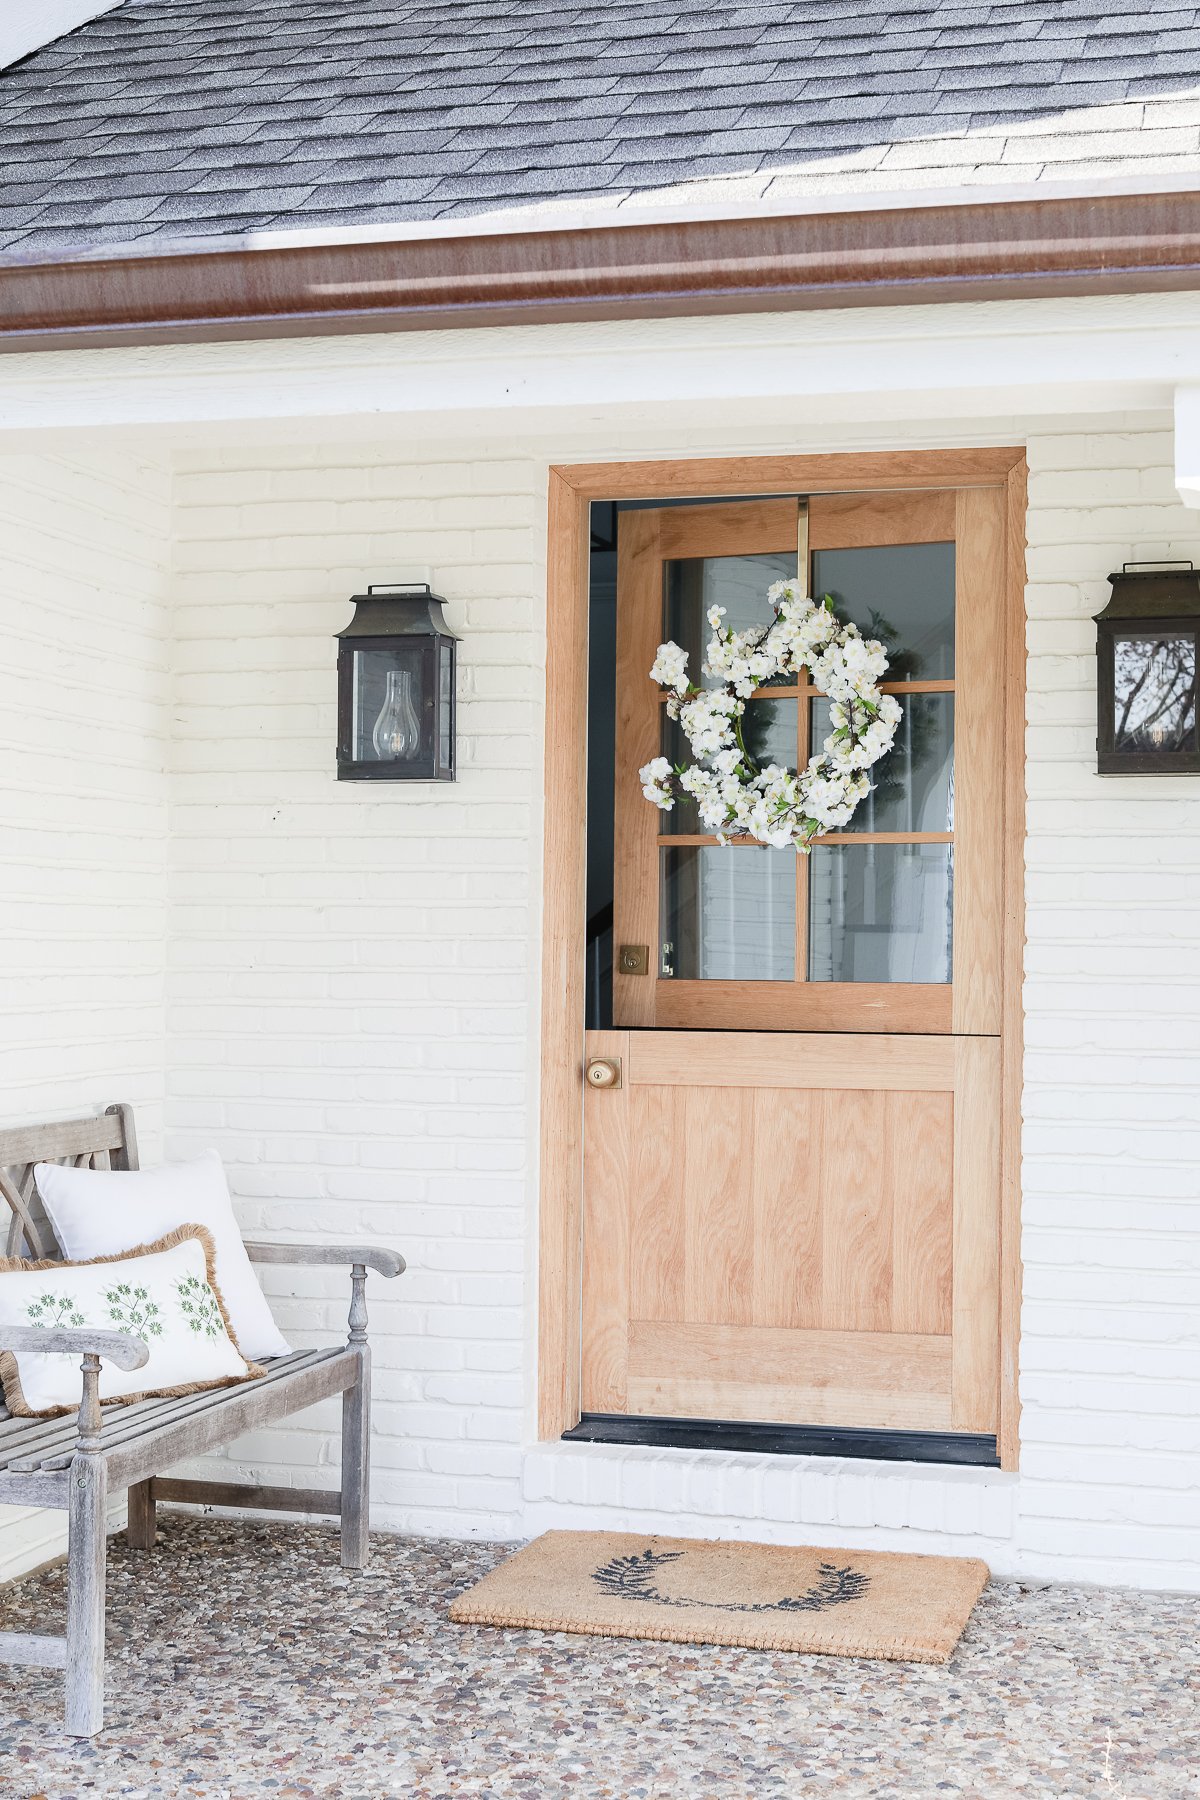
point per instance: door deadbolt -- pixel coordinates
(634, 959)
(603, 1072)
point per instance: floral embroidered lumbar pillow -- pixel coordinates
(166, 1293)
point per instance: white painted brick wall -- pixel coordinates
(1111, 1346)
(84, 568)
(350, 966)
(352, 1014)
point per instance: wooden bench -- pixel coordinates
(76, 1461)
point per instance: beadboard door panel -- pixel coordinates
(772, 1233)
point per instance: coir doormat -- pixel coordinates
(761, 1596)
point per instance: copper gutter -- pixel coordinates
(311, 284)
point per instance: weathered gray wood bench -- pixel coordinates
(76, 1461)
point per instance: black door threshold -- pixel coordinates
(962, 1447)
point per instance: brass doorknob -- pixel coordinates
(603, 1072)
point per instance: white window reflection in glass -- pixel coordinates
(880, 912)
(728, 914)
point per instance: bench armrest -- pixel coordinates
(358, 1258)
(384, 1262)
(120, 1347)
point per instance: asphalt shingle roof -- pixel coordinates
(171, 119)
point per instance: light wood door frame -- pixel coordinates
(572, 489)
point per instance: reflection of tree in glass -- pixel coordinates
(892, 777)
(903, 664)
(757, 721)
(1155, 692)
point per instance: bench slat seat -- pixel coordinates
(26, 1450)
(74, 1461)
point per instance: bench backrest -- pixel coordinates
(107, 1141)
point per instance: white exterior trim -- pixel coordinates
(1027, 358)
(1187, 444)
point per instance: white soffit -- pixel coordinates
(25, 25)
(1001, 359)
(1187, 444)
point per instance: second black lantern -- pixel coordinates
(396, 678)
(1146, 672)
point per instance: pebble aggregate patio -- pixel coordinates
(243, 1664)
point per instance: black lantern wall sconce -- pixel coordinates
(396, 678)
(1146, 672)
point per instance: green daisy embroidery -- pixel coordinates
(131, 1309)
(199, 1307)
(54, 1312)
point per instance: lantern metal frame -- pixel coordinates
(1148, 599)
(387, 615)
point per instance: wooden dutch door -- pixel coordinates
(791, 1209)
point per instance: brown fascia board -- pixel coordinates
(861, 256)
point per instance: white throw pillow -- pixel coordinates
(107, 1212)
(165, 1293)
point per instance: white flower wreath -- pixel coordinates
(774, 805)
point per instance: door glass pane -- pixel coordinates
(738, 583)
(769, 728)
(1154, 678)
(880, 912)
(902, 594)
(728, 914)
(445, 707)
(913, 785)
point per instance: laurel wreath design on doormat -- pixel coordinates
(633, 1578)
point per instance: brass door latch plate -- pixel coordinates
(634, 959)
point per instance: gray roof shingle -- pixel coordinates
(183, 119)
